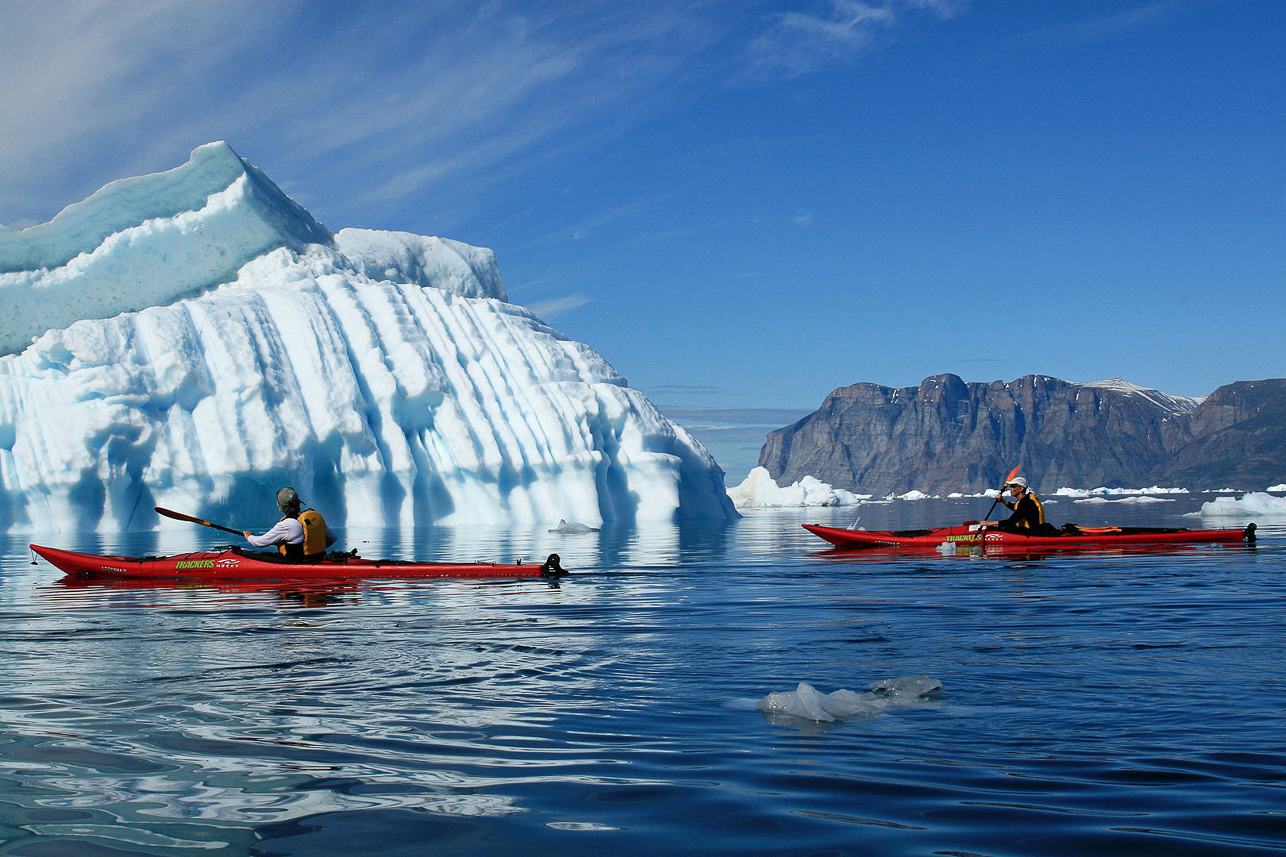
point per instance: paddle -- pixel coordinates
(179, 516)
(987, 517)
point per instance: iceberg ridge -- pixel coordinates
(145, 241)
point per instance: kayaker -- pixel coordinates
(299, 535)
(1029, 512)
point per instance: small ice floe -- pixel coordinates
(1253, 504)
(913, 494)
(569, 529)
(807, 703)
(1082, 493)
(1140, 500)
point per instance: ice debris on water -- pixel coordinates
(806, 702)
(1257, 503)
(572, 528)
(760, 491)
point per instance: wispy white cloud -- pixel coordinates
(630, 210)
(944, 9)
(92, 81)
(549, 309)
(802, 42)
(685, 390)
(378, 102)
(1107, 26)
(377, 105)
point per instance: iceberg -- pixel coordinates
(1252, 504)
(1140, 500)
(915, 494)
(1082, 493)
(574, 528)
(759, 491)
(195, 340)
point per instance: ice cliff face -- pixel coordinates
(200, 340)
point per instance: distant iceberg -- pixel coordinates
(1082, 493)
(195, 339)
(1254, 504)
(1139, 500)
(759, 491)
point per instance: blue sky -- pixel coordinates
(741, 205)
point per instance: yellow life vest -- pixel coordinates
(315, 531)
(314, 543)
(1040, 508)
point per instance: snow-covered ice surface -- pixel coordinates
(200, 340)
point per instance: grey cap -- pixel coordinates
(1017, 480)
(287, 498)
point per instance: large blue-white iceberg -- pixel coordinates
(195, 339)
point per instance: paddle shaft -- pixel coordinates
(1012, 474)
(179, 516)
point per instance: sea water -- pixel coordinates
(1060, 704)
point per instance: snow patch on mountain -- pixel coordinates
(1167, 402)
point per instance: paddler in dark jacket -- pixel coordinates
(298, 535)
(1029, 513)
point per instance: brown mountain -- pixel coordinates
(951, 435)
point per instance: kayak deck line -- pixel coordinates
(233, 563)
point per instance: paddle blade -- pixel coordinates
(179, 516)
(1001, 493)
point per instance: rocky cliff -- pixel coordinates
(948, 435)
(1236, 438)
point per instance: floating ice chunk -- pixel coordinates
(906, 689)
(568, 529)
(1143, 499)
(808, 703)
(845, 704)
(916, 495)
(1256, 503)
(1092, 492)
(758, 490)
(804, 701)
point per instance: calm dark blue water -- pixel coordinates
(1090, 703)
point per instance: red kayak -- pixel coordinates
(970, 534)
(231, 563)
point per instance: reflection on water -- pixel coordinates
(615, 709)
